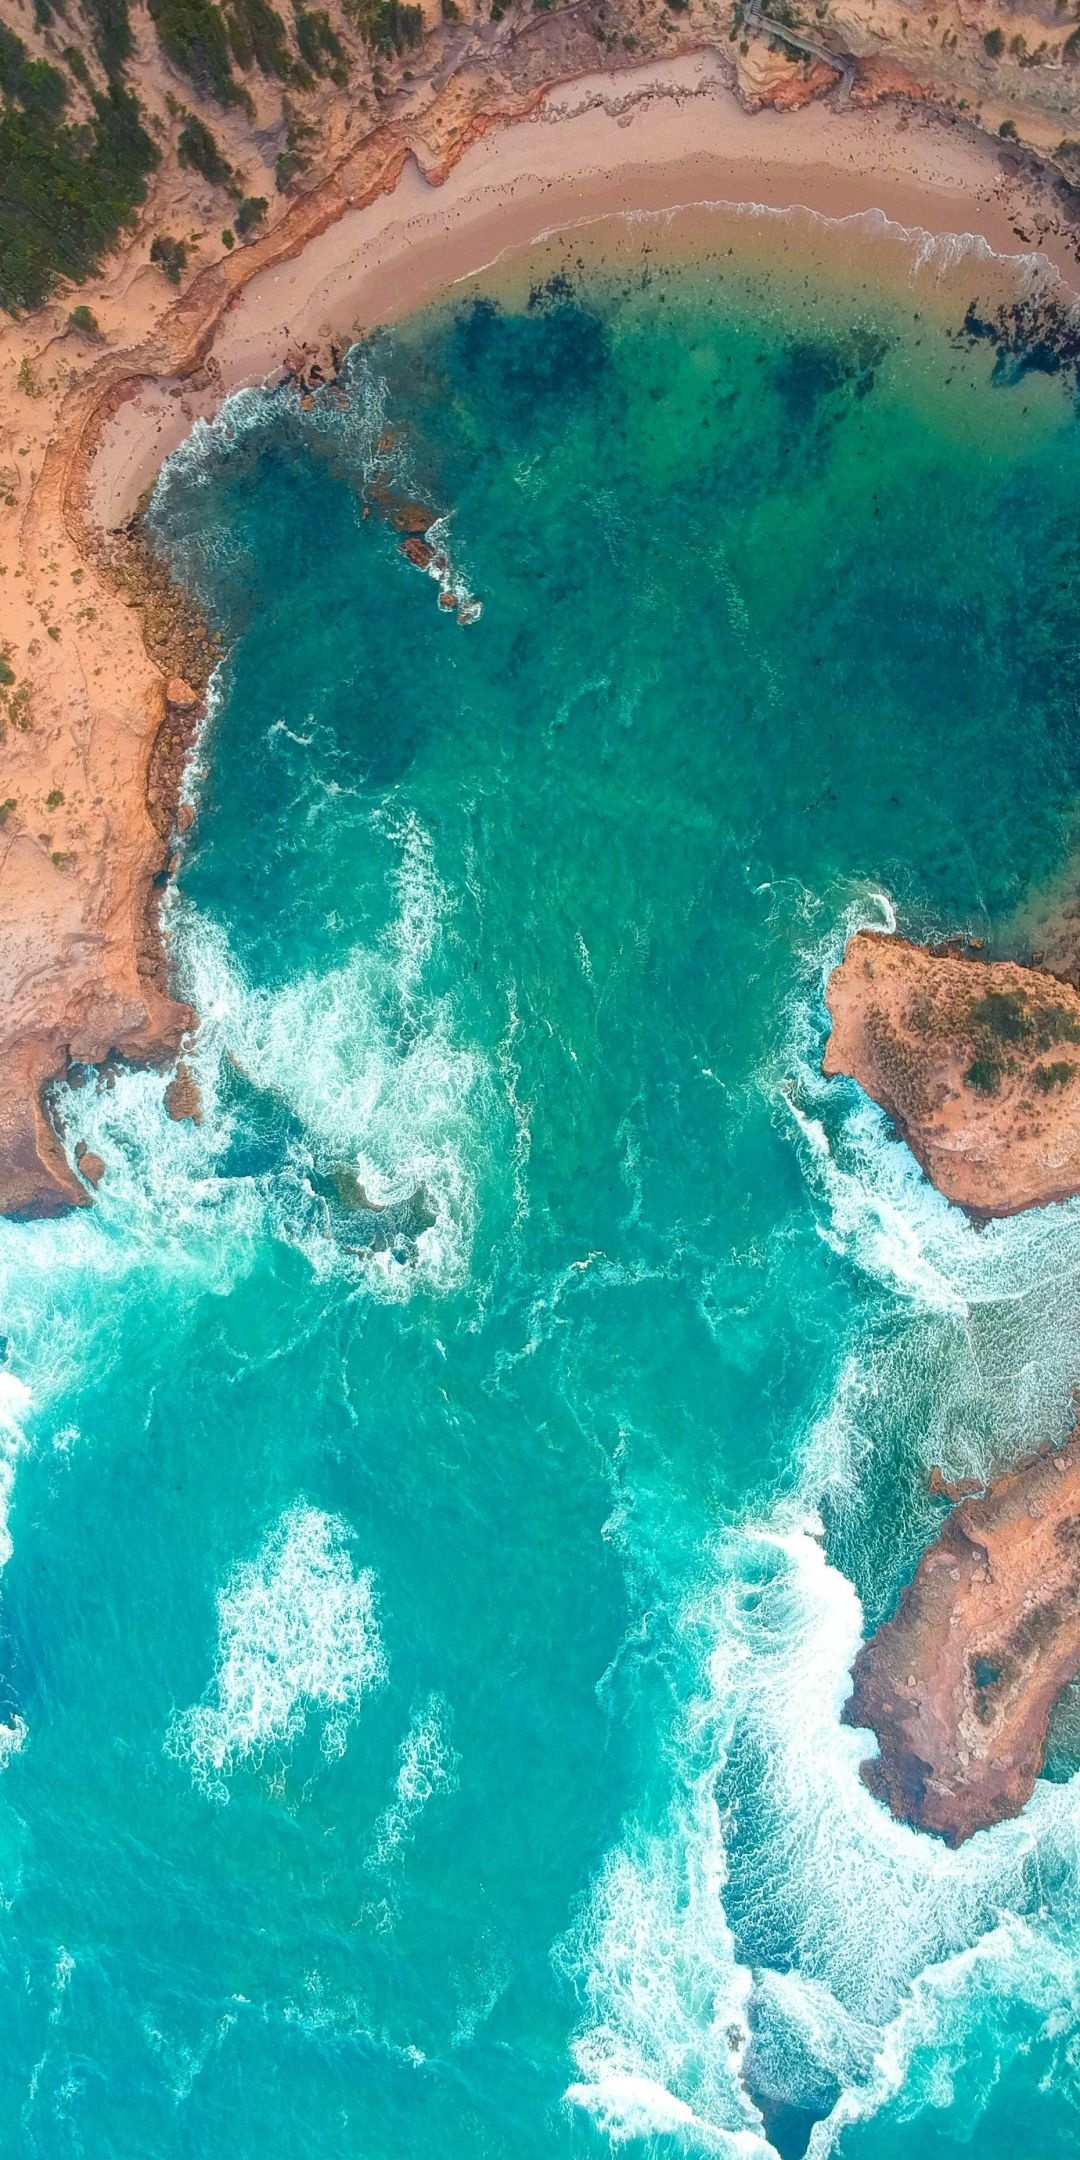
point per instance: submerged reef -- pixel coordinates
(960, 1685)
(976, 1061)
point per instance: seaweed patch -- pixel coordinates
(1033, 336)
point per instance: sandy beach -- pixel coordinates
(666, 138)
(419, 204)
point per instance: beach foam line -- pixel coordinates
(298, 1635)
(941, 252)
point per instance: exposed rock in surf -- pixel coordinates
(977, 1062)
(954, 1489)
(413, 518)
(960, 1685)
(364, 1226)
(351, 1193)
(89, 1166)
(418, 552)
(182, 1097)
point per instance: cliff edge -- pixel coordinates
(960, 1685)
(976, 1061)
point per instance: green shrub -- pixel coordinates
(228, 237)
(387, 25)
(66, 190)
(983, 1074)
(994, 42)
(287, 165)
(1057, 1075)
(318, 41)
(1002, 1011)
(249, 213)
(171, 256)
(33, 84)
(1008, 129)
(198, 150)
(75, 63)
(54, 798)
(110, 24)
(257, 37)
(193, 34)
(84, 320)
(1070, 51)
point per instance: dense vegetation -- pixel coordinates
(197, 148)
(111, 26)
(257, 37)
(65, 190)
(388, 25)
(194, 36)
(320, 47)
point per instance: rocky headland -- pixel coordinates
(960, 1685)
(976, 1062)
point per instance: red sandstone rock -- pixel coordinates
(180, 695)
(960, 1685)
(418, 552)
(977, 1062)
(89, 1165)
(182, 1097)
(953, 1489)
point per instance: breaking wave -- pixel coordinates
(782, 1943)
(298, 1635)
(427, 1765)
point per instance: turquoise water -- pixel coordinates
(425, 1632)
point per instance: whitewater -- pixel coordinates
(443, 1491)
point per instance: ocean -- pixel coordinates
(445, 1489)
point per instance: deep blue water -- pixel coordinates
(447, 1487)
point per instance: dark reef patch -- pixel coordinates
(1032, 336)
(527, 364)
(815, 379)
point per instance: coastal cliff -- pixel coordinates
(976, 1062)
(960, 1685)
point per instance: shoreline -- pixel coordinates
(415, 209)
(664, 141)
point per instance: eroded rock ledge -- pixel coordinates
(960, 1685)
(977, 1062)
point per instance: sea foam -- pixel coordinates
(775, 1939)
(427, 1765)
(298, 1635)
(780, 1938)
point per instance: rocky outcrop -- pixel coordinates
(182, 1097)
(89, 1166)
(977, 1063)
(960, 1685)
